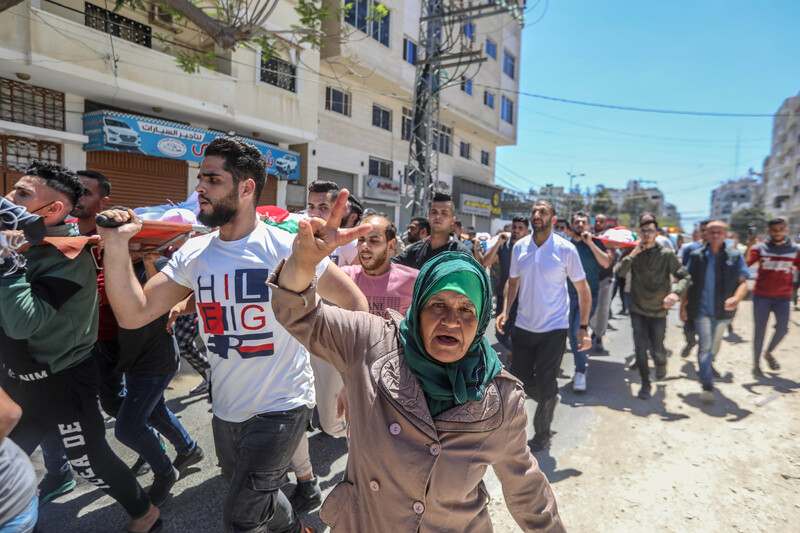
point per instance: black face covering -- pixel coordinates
(16, 217)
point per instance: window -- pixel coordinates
(408, 124)
(442, 140)
(466, 85)
(381, 117)
(337, 101)
(507, 110)
(117, 25)
(358, 16)
(279, 73)
(484, 158)
(488, 99)
(491, 48)
(380, 167)
(468, 30)
(409, 51)
(509, 63)
(464, 150)
(31, 105)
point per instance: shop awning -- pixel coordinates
(110, 130)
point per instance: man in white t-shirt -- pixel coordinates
(261, 377)
(540, 266)
(321, 196)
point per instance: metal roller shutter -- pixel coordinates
(343, 179)
(140, 180)
(269, 194)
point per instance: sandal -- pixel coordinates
(155, 528)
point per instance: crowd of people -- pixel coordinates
(384, 334)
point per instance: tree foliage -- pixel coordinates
(636, 204)
(746, 218)
(603, 203)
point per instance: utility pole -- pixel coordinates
(572, 177)
(445, 54)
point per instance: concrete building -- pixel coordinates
(97, 89)
(365, 105)
(780, 176)
(732, 196)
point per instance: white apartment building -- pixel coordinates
(364, 113)
(96, 89)
(780, 185)
(732, 196)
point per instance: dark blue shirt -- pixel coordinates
(710, 283)
(590, 266)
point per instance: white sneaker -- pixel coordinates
(579, 382)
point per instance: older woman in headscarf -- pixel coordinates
(430, 406)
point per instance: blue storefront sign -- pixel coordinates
(109, 130)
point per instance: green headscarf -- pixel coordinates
(449, 384)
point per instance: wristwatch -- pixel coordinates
(584, 326)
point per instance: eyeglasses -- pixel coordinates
(647, 231)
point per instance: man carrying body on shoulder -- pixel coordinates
(321, 196)
(540, 266)
(594, 256)
(441, 217)
(652, 295)
(261, 376)
(48, 325)
(719, 283)
(773, 290)
(501, 253)
(386, 285)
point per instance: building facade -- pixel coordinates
(732, 196)
(780, 176)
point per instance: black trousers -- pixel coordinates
(67, 403)
(690, 332)
(648, 332)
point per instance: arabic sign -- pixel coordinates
(475, 205)
(109, 130)
(379, 188)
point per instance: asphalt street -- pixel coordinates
(196, 503)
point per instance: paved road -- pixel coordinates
(197, 498)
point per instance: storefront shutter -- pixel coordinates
(343, 179)
(269, 194)
(140, 180)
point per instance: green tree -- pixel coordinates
(636, 204)
(603, 203)
(746, 218)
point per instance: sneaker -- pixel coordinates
(757, 373)
(540, 443)
(202, 388)
(53, 486)
(579, 382)
(772, 362)
(661, 371)
(634, 366)
(686, 350)
(598, 345)
(182, 462)
(159, 490)
(306, 496)
(644, 392)
(140, 467)
(707, 396)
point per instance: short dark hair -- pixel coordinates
(644, 221)
(581, 214)
(443, 197)
(776, 221)
(423, 223)
(391, 229)
(549, 205)
(325, 186)
(704, 223)
(242, 160)
(102, 182)
(57, 177)
(647, 216)
(356, 207)
(520, 218)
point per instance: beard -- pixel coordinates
(223, 211)
(545, 227)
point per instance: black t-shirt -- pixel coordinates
(148, 350)
(420, 252)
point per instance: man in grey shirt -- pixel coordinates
(18, 502)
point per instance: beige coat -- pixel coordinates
(405, 471)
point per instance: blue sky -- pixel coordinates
(706, 55)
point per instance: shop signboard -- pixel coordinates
(379, 188)
(109, 130)
(475, 205)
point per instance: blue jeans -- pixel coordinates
(254, 458)
(574, 324)
(762, 307)
(25, 521)
(143, 404)
(709, 333)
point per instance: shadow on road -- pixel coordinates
(547, 464)
(612, 384)
(773, 381)
(721, 408)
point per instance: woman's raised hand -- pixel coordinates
(317, 239)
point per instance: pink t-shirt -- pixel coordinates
(392, 290)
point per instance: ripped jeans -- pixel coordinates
(254, 458)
